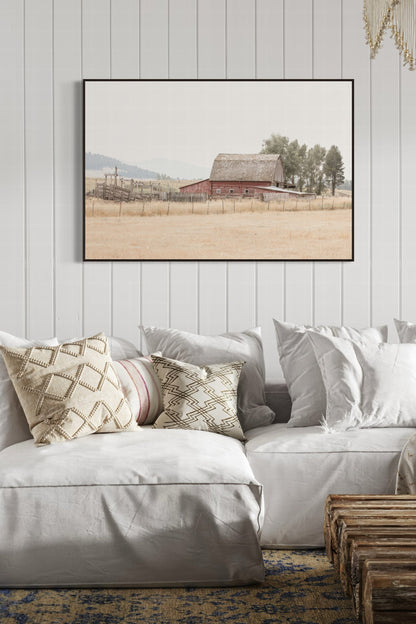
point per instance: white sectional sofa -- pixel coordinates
(154, 507)
(165, 507)
(299, 466)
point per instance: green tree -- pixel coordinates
(277, 144)
(314, 173)
(292, 161)
(301, 173)
(334, 168)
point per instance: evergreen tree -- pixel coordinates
(334, 168)
(301, 173)
(314, 173)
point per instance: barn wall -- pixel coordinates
(51, 44)
(237, 188)
(204, 186)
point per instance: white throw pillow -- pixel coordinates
(230, 347)
(405, 330)
(120, 349)
(13, 423)
(301, 371)
(367, 384)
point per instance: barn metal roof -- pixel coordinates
(279, 189)
(244, 167)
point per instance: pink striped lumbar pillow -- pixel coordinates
(141, 387)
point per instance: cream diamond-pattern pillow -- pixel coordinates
(69, 391)
(199, 397)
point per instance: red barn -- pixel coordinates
(240, 174)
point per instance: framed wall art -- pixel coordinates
(218, 170)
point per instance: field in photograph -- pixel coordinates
(262, 233)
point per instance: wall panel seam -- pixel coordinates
(54, 169)
(25, 207)
(400, 284)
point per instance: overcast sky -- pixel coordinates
(192, 122)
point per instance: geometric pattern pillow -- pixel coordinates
(141, 387)
(199, 397)
(68, 391)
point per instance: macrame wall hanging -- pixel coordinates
(398, 16)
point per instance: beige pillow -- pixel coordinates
(68, 391)
(199, 397)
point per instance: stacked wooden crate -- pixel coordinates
(371, 541)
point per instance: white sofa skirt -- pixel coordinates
(299, 466)
(147, 508)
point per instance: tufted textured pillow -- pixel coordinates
(68, 391)
(199, 397)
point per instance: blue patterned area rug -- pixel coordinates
(300, 588)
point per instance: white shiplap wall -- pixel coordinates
(48, 46)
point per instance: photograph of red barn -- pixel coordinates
(218, 169)
(242, 175)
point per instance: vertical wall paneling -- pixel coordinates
(299, 64)
(269, 39)
(270, 275)
(385, 185)
(212, 64)
(154, 63)
(407, 310)
(48, 46)
(183, 64)
(327, 38)
(39, 168)
(96, 63)
(12, 165)
(154, 38)
(182, 39)
(68, 167)
(356, 64)
(211, 38)
(241, 46)
(241, 41)
(126, 314)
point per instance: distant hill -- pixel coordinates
(96, 165)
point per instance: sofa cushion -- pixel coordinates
(68, 391)
(278, 399)
(405, 330)
(301, 370)
(13, 424)
(146, 508)
(230, 347)
(367, 385)
(300, 466)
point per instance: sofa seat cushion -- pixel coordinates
(299, 467)
(146, 508)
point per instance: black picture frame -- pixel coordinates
(128, 218)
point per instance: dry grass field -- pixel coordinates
(265, 233)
